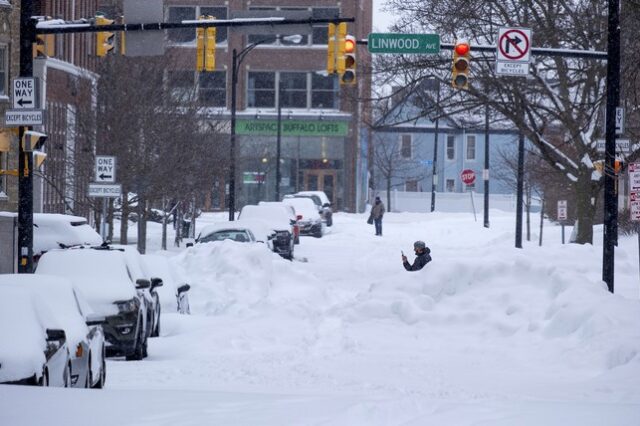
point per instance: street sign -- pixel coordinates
(404, 43)
(562, 209)
(24, 93)
(634, 176)
(619, 120)
(105, 169)
(24, 117)
(514, 51)
(468, 176)
(622, 145)
(634, 191)
(105, 190)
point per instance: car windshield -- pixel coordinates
(236, 235)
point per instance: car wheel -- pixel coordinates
(138, 351)
(144, 349)
(89, 378)
(67, 376)
(44, 380)
(103, 376)
(156, 330)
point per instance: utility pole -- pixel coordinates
(613, 99)
(278, 139)
(25, 159)
(520, 190)
(434, 170)
(486, 165)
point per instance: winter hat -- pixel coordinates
(419, 245)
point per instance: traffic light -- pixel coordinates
(348, 76)
(460, 66)
(33, 141)
(104, 39)
(331, 49)
(341, 40)
(44, 46)
(206, 47)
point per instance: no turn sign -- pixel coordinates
(514, 44)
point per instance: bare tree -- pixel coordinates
(557, 107)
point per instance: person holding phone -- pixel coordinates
(423, 256)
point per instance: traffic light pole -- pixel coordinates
(613, 98)
(25, 159)
(486, 165)
(278, 140)
(434, 170)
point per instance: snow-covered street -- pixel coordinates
(343, 335)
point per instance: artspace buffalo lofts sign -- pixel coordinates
(292, 128)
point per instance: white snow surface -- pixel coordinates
(486, 334)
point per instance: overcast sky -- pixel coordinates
(381, 20)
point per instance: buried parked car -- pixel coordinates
(85, 338)
(51, 231)
(173, 293)
(309, 220)
(278, 217)
(321, 201)
(106, 282)
(33, 347)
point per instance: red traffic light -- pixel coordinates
(462, 48)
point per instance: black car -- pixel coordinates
(278, 217)
(107, 284)
(32, 351)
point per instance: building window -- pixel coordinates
(4, 70)
(451, 147)
(471, 147)
(212, 88)
(411, 186)
(300, 90)
(188, 35)
(181, 85)
(294, 89)
(324, 91)
(261, 90)
(319, 35)
(451, 185)
(405, 146)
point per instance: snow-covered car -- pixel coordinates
(278, 217)
(252, 230)
(173, 293)
(293, 216)
(321, 201)
(307, 215)
(85, 338)
(140, 272)
(51, 231)
(104, 278)
(33, 345)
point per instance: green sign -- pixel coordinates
(292, 128)
(404, 43)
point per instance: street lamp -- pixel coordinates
(237, 59)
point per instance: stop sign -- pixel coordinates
(468, 176)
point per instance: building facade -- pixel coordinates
(322, 130)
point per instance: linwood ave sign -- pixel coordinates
(404, 43)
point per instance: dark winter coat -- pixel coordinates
(377, 211)
(421, 260)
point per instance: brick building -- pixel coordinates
(323, 134)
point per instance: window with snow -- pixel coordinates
(411, 186)
(212, 88)
(180, 84)
(405, 146)
(450, 185)
(324, 91)
(293, 89)
(471, 147)
(188, 35)
(451, 147)
(320, 35)
(261, 90)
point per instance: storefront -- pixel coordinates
(311, 158)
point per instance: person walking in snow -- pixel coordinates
(377, 211)
(423, 256)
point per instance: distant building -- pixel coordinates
(323, 130)
(408, 143)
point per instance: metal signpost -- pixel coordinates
(468, 177)
(404, 43)
(513, 52)
(562, 215)
(103, 187)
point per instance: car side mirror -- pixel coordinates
(189, 244)
(156, 282)
(142, 283)
(54, 334)
(93, 320)
(184, 288)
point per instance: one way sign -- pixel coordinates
(105, 169)
(24, 93)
